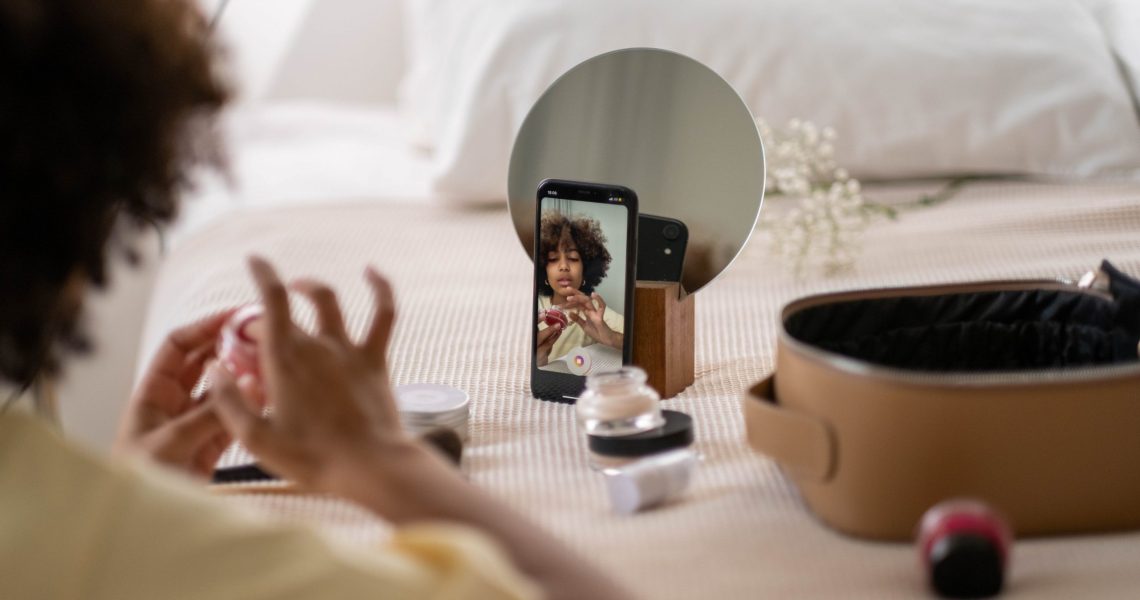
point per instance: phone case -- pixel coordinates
(661, 244)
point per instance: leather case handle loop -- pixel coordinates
(801, 444)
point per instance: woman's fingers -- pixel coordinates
(548, 335)
(274, 298)
(203, 331)
(185, 434)
(195, 365)
(384, 317)
(579, 319)
(251, 391)
(329, 318)
(207, 458)
(274, 449)
(236, 415)
(185, 350)
(582, 302)
(601, 303)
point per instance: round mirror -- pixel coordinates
(664, 125)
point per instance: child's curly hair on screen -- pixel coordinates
(586, 235)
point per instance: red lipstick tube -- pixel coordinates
(964, 546)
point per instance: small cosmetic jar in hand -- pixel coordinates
(237, 343)
(554, 316)
(964, 546)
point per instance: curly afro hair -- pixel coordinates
(105, 110)
(586, 233)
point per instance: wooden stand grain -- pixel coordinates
(663, 336)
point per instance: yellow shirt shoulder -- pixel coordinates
(75, 526)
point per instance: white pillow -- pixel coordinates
(914, 88)
(1120, 21)
(442, 37)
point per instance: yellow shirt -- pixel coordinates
(75, 526)
(574, 336)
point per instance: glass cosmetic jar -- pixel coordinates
(619, 450)
(619, 403)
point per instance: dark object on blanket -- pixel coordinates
(447, 442)
(964, 546)
(1024, 394)
(444, 440)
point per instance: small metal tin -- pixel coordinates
(426, 406)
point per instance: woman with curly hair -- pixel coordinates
(576, 262)
(105, 113)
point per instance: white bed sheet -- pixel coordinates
(740, 531)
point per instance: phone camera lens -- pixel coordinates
(671, 232)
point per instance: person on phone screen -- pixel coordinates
(106, 112)
(576, 262)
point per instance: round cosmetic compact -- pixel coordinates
(616, 451)
(964, 547)
(237, 343)
(427, 406)
(618, 403)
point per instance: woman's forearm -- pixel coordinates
(617, 340)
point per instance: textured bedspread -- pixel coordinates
(463, 287)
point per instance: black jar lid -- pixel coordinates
(677, 432)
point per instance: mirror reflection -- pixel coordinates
(659, 123)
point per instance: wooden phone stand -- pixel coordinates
(663, 342)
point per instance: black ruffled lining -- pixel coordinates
(989, 331)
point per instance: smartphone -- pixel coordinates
(661, 243)
(585, 263)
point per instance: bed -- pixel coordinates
(327, 191)
(740, 531)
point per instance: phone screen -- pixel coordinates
(583, 281)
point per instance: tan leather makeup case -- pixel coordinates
(1025, 394)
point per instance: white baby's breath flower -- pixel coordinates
(825, 229)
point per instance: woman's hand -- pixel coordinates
(162, 421)
(333, 406)
(588, 313)
(335, 429)
(546, 339)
